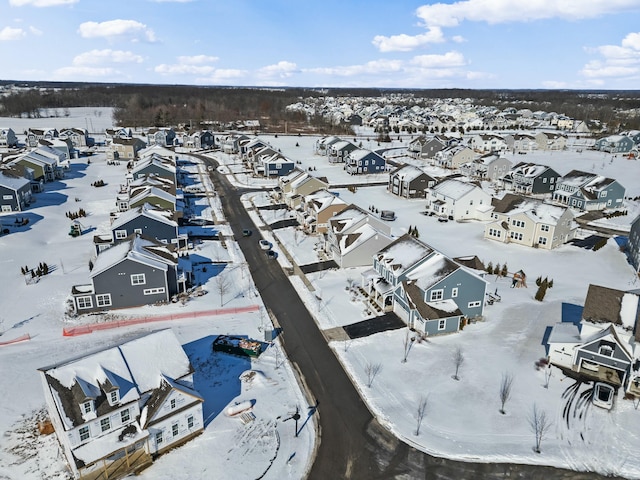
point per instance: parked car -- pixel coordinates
(603, 395)
(265, 244)
(246, 232)
(271, 254)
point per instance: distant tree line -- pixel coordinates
(168, 105)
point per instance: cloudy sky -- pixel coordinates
(325, 43)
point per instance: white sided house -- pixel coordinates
(114, 410)
(530, 222)
(458, 200)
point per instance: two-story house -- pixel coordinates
(521, 142)
(453, 156)
(163, 136)
(45, 164)
(490, 167)
(615, 144)
(15, 192)
(551, 141)
(409, 182)
(34, 135)
(487, 143)
(588, 191)
(338, 151)
(317, 208)
(124, 148)
(530, 222)
(362, 161)
(458, 200)
(115, 409)
(531, 179)
(8, 137)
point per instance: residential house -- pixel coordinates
(297, 186)
(551, 141)
(34, 135)
(201, 139)
(251, 148)
(231, 143)
(601, 347)
(124, 148)
(362, 161)
(588, 191)
(521, 142)
(44, 163)
(115, 409)
(339, 151)
(452, 157)
(354, 235)
(633, 246)
(615, 144)
(163, 136)
(8, 137)
(531, 179)
(490, 167)
(426, 289)
(64, 146)
(458, 200)
(137, 271)
(273, 165)
(409, 182)
(530, 222)
(155, 166)
(138, 196)
(426, 147)
(317, 208)
(15, 192)
(322, 146)
(145, 220)
(487, 143)
(79, 137)
(117, 132)
(284, 183)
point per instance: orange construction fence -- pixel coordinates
(21, 338)
(84, 329)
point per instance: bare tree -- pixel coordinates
(505, 390)
(458, 360)
(540, 424)
(372, 370)
(407, 343)
(222, 286)
(421, 412)
(547, 376)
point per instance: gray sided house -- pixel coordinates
(34, 135)
(43, 162)
(409, 182)
(615, 144)
(161, 136)
(588, 191)
(276, 165)
(531, 179)
(15, 192)
(115, 409)
(79, 137)
(138, 271)
(363, 161)
(634, 244)
(489, 167)
(339, 151)
(425, 147)
(155, 166)
(202, 139)
(8, 137)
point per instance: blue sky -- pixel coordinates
(575, 44)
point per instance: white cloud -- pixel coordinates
(131, 29)
(501, 11)
(100, 57)
(372, 67)
(35, 31)
(171, 1)
(222, 76)
(41, 3)
(405, 43)
(617, 61)
(9, 33)
(458, 39)
(281, 69)
(448, 60)
(189, 65)
(84, 72)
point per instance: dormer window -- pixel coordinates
(87, 407)
(114, 397)
(606, 350)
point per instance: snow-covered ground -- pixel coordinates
(265, 448)
(462, 419)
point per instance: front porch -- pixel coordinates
(120, 464)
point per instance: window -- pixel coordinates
(515, 235)
(172, 403)
(158, 438)
(121, 234)
(190, 421)
(113, 397)
(606, 350)
(544, 180)
(125, 416)
(474, 304)
(138, 279)
(103, 300)
(551, 180)
(542, 240)
(105, 424)
(153, 291)
(603, 193)
(442, 324)
(174, 429)
(518, 223)
(436, 295)
(85, 302)
(138, 231)
(544, 228)
(87, 407)
(84, 433)
(454, 292)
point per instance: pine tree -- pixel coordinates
(490, 268)
(504, 271)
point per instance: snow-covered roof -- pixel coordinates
(138, 249)
(434, 269)
(454, 189)
(146, 210)
(403, 253)
(13, 182)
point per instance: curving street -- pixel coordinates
(351, 443)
